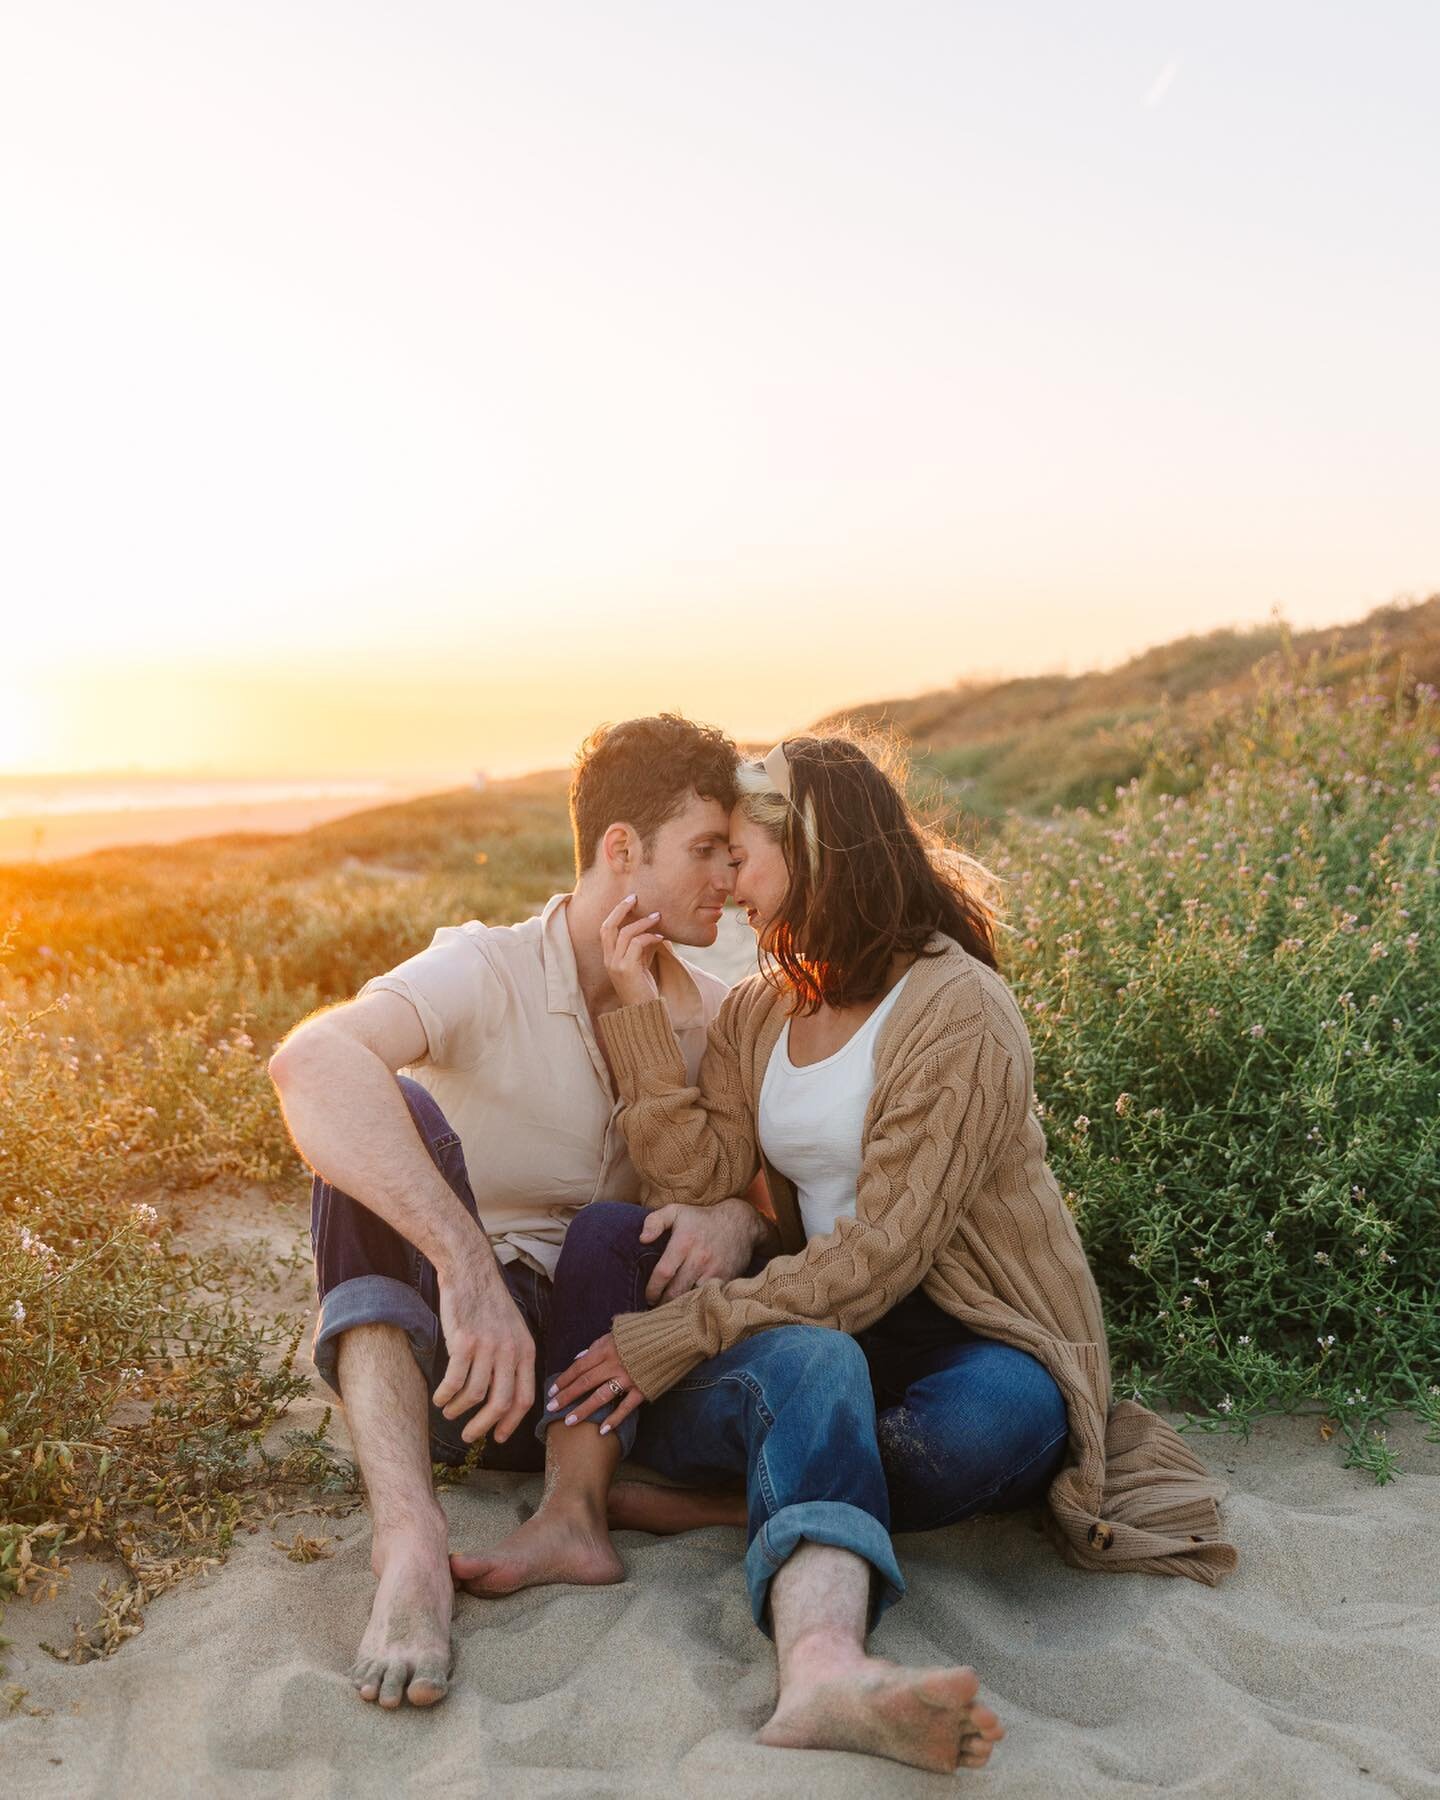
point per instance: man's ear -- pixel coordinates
(620, 848)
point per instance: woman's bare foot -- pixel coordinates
(646, 1506)
(405, 1652)
(837, 1699)
(564, 1543)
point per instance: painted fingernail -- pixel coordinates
(573, 1419)
(553, 1387)
(629, 899)
(603, 1430)
(654, 915)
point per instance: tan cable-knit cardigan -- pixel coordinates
(954, 1197)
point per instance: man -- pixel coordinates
(442, 1199)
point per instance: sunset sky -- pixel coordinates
(404, 388)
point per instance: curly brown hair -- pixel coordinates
(641, 772)
(868, 881)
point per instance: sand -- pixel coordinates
(1313, 1671)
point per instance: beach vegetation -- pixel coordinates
(1229, 964)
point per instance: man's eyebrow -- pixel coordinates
(708, 837)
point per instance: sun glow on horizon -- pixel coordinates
(532, 366)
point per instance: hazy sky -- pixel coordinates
(406, 387)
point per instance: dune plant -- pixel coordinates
(1231, 977)
(132, 1393)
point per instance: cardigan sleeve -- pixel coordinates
(939, 1134)
(695, 1145)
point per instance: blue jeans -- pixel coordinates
(367, 1274)
(914, 1423)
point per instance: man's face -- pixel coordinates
(687, 877)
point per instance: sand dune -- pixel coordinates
(1312, 1672)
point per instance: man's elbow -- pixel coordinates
(289, 1062)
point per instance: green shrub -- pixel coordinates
(1232, 980)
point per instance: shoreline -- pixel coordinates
(56, 837)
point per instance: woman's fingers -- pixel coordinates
(610, 924)
(618, 941)
(603, 1396)
(574, 1386)
(631, 1403)
(623, 1404)
(633, 938)
(601, 1364)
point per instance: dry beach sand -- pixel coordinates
(1314, 1671)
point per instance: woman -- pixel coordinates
(879, 1072)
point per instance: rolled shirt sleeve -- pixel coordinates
(455, 990)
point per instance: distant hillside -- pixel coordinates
(1068, 740)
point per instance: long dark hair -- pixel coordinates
(868, 881)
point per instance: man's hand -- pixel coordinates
(492, 1354)
(705, 1241)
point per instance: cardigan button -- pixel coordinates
(1100, 1535)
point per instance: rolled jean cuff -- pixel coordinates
(833, 1522)
(624, 1432)
(372, 1300)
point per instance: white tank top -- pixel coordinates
(810, 1119)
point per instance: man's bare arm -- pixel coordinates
(335, 1075)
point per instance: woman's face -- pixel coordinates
(761, 875)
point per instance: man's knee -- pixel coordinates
(605, 1226)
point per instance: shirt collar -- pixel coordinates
(678, 987)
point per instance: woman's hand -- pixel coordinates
(629, 952)
(595, 1379)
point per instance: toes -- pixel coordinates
(976, 1746)
(366, 1677)
(392, 1688)
(485, 1582)
(469, 1572)
(428, 1686)
(964, 1683)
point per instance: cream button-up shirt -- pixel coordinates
(514, 1064)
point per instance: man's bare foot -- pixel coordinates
(560, 1544)
(405, 1652)
(838, 1699)
(646, 1506)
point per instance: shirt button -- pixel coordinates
(1100, 1535)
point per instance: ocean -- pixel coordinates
(44, 818)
